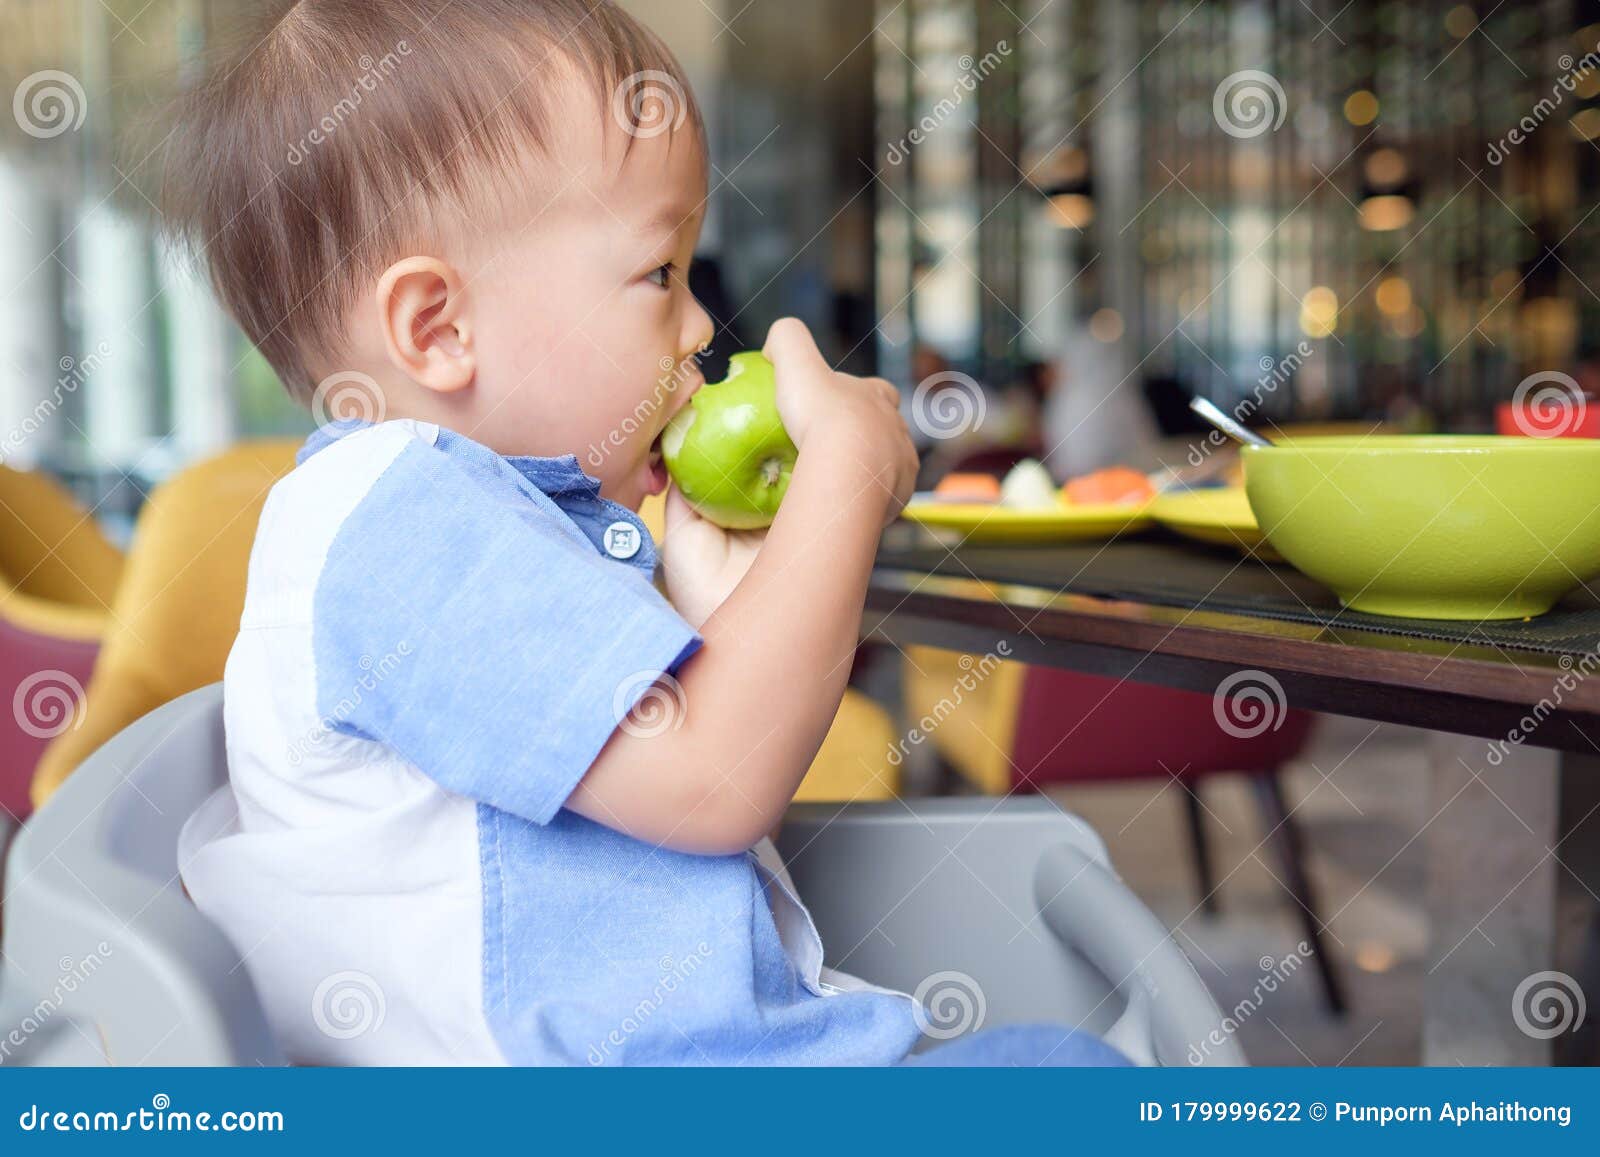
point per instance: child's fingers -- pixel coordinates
(679, 512)
(803, 374)
(791, 349)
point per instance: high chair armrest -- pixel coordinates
(99, 936)
(1010, 906)
(1170, 1018)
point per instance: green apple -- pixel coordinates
(727, 449)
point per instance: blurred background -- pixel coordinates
(1086, 210)
(1040, 194)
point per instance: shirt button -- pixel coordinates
(622, 540)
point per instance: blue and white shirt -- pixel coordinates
(436, 643)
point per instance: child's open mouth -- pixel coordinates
(658, 467)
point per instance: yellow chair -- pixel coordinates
(853, 762)
(177, 608)
(967, 706)
(58, 572)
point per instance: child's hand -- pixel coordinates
(855, 420)
(776, 607)
(700, 561)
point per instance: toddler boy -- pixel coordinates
(455, 830)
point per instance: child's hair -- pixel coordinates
(306, 163)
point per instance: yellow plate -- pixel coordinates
(991, 524)
(1222, 516)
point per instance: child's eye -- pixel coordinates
(661, 275)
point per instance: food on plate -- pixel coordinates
(962, 487)
(1028, 486)
(727, 449)
(1113, 486)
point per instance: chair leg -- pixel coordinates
(1200, 847)
(947, 778)
(1291, 856)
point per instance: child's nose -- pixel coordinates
(698, 331)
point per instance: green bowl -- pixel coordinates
(1435, 527)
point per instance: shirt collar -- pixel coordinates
(553, 476)
(326, 435)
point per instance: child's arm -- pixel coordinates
(761, 693)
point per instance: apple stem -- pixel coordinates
(771, 471)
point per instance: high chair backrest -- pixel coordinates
(106, 960)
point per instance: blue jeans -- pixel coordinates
(1035, 1045)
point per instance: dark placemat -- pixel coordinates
(1190, 575)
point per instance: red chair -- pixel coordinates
(42, 677)
(996, 460)
(1021, 728)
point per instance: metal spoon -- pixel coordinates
(1225, 423)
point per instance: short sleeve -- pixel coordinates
(485, 641)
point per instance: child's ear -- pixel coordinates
(426, 330)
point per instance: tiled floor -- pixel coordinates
(1356, 823)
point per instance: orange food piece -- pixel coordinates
(1113, 486)
(968, 488)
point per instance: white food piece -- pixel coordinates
(1029, 486)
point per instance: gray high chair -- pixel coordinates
(992, 912)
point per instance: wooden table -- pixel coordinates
(1510, 840)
